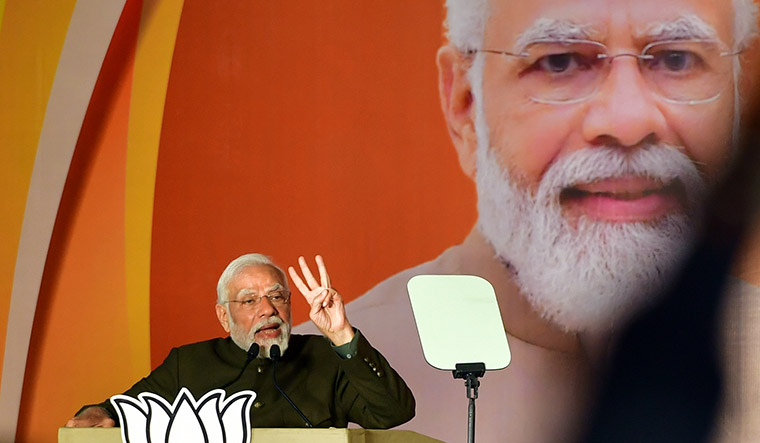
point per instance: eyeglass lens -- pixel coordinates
(681, 71)
(274, 297)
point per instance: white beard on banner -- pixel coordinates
(589, 275)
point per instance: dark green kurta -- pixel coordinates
(329, 390)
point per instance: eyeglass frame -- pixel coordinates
(606, 56)
(255, 300)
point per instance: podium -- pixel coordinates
(268, 435)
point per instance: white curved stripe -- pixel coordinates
(89, 34)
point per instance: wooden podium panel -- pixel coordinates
(267, 435)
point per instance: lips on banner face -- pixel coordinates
(211, 419)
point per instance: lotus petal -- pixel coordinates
(159, 416)
(185, 426)
(208, 411)
(236, 417)
(132, 417)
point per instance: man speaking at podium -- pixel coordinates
(331, 380)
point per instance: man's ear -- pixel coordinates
(221, 314)
(457, 104)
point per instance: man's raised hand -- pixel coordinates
(327, 310)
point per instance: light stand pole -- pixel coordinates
(470, 372)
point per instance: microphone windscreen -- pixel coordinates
(253, 351)
(274, 352)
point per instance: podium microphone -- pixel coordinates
(274, 354)
(253, 351)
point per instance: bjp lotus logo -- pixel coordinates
(211, 419)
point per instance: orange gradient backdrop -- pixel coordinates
(216, 129)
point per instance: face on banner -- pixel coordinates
(593, 132)
(541, 109)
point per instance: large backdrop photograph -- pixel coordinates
(562, 150)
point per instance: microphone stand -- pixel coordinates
(274, 354)
(470, 373)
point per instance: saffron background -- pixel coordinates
(146, 143)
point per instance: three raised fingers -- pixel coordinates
(310, 286)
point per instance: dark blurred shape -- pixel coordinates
(664, 381)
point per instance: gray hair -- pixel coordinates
(466, 22)
(233, 269)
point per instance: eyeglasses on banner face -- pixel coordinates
(688, 72)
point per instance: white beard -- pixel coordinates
(244, 339)
(592, 275)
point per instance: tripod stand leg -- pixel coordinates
(472, 383)
(471, 422)
(470, 373)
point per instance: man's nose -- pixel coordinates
(266, 307)
(624, 111)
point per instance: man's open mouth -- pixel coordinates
(626, 199)
(269, 329)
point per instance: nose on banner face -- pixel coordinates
(624, 109)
